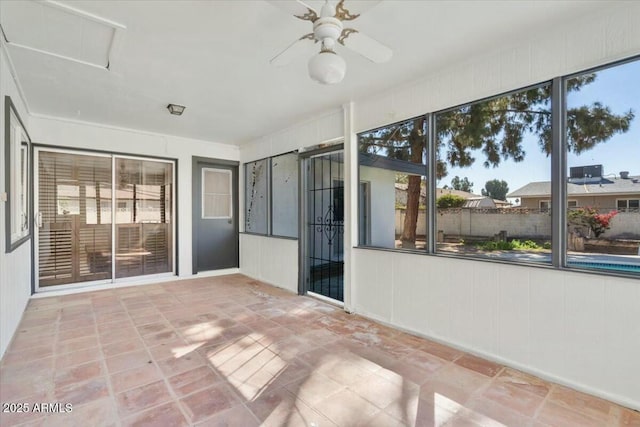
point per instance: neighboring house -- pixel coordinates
(472, 200)
(621, 192)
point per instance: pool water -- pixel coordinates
(628, 268)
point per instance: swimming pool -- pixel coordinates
(627, 268)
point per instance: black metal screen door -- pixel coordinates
(325, 225)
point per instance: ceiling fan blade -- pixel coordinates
(295, 50)
(371, 49)
(297, 8)
(353, 9)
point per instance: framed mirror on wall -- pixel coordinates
(17, 149)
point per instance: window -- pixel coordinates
(546, 204)
(284, 195)
(491, 161)
(216, 193)
(271, 191)
(17, 146)
(603, 148)
(392, 161)
(628, 204)
(257, 197)
(486, 206)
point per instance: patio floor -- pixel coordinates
(233, 351)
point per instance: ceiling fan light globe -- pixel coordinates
(327, 68)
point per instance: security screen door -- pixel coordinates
(325, 225)
(77, 239)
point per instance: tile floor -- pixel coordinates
(230, 351)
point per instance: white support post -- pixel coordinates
(350, 206)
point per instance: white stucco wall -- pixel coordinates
(270, 259)
(15, 267)
(383, 203)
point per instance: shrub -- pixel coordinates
(496, 246)
(589, 217)
(450, 201)
(511, 245)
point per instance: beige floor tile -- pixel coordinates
(194, 380)
(132, 378)
(208, 402)
(142, 398)
(479, 365)
(168, 414)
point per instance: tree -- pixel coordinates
(496, 129)
(496, 189)
(462, 184)
(450, 201)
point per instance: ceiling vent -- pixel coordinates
(61, 31)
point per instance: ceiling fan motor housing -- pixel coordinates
(327, 28)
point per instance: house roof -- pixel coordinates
(374, 160)
(606, 186)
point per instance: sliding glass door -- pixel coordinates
(77, 239)
(143, 217)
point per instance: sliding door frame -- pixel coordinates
(37, 148)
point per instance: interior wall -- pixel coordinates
(87, 136)
(15, 267)
(575, 328)
(270, 259)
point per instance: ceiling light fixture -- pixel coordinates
(327, 68)
(176, 109)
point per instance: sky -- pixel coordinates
(617, 87)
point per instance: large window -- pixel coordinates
(486, 206)
(490, 181)
(271, 196)
(393, 169)
(16, 177)
(603, 168)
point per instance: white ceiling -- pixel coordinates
(213, 57)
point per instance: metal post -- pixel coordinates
(558, 174)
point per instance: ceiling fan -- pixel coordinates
(327, 67)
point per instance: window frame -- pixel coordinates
(626, 202)
(426, 174)
(203, 193)
(269, 193)
(558, 195)
(297, 193)
(17, 178)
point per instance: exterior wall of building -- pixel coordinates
(602, 202)
(15, 267)
(382, 194)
